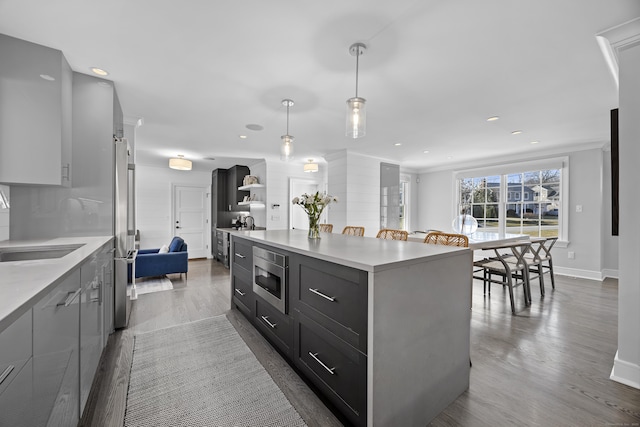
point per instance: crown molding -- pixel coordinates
(615, 40)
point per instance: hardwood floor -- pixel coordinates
(547, 366)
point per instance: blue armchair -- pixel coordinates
(150, 262)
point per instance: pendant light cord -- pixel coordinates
(357, 64)
(287, 117)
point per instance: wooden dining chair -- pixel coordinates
(391, 234)
(542, 249)
(509, 264)
(351, 230)
(325, 228)
(448, 239)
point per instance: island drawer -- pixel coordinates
(278, 327)
(333, 295)
(242, 254)
(336, 368)
(242, 288)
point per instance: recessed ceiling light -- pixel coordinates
(99, 71)
(493, 118)
(535, 142)
(426, 151)
(516, 132)
(47, 77)
(253, 126)
(397, 144)
(242, 136)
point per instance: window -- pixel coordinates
(533, 204)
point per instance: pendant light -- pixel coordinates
(310, 167)
(286, 150)
(180, 163)
(356, 113)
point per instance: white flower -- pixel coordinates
(295, 200)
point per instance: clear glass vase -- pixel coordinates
(314, 229)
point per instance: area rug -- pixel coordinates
(146, 286)
(202, 374)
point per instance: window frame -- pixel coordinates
(505, 169)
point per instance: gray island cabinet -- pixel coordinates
(381, 328)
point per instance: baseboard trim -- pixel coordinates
(608, 272)
(625, 372)
(575, 272)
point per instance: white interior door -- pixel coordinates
(297, 216)
(190, 218)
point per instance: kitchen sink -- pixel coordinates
(29, 253)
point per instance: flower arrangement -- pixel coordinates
(313, 205)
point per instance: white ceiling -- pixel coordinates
(199, 71)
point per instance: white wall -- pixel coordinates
(586, 229)
(153, 207)
(609, 242)
(627, 361)
(355, 180)
(278, 198)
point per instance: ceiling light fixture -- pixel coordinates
(310, 167)
(180, 163)
(286, 150)
(535, 142)
(99, 71)
(356, 112)
(493, 118)
(398, 144)
(516, 132)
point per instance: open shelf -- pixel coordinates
(253, 203)
(250, 186)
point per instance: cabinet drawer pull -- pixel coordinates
(240, 255)
(238, 291)
(330, 370)
(315, 291)
(69, 299)
(266, 319)
(6, 373)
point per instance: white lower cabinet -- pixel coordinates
(16, 393)
(56, 361)
(91, 325)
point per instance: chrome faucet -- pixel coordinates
(246, 220)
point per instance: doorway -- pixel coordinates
(190, 218)
(297, 216)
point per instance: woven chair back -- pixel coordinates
(448, 239)
(326, 228)
(391, 234)
(351, 230)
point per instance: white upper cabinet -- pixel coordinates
(35, 114)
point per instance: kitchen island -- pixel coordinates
(380, 327)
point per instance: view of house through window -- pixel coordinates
(518, 203)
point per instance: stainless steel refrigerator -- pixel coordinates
(124, 231)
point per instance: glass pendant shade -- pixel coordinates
(356, 117)
(286, 149)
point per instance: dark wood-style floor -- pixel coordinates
(547, 366)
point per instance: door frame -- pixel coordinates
(207, 225)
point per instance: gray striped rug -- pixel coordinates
(202, 374)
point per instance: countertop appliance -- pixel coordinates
(270, 277)
(124, 231)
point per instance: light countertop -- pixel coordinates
(23, 283)
(363, 253)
